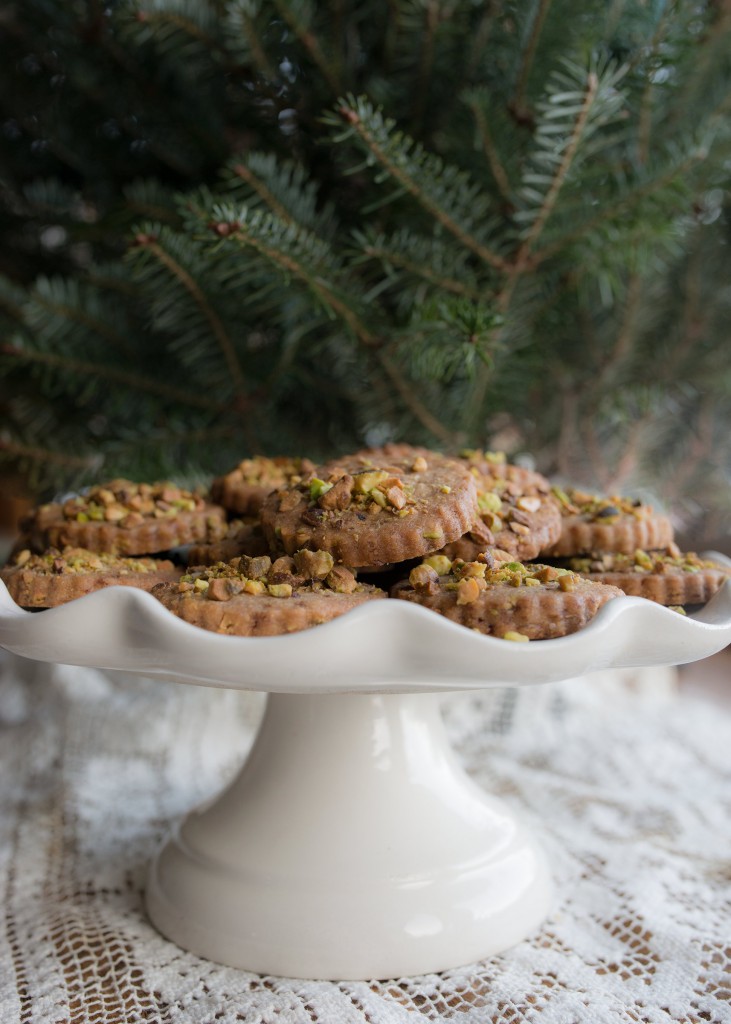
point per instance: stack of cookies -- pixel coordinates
(281, 545)
(625, 543)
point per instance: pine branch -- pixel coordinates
(415, 173)
(560, 173)
(309, 42)
(42, 296)
(152, 245)
(13, 450)
(426, 61)
(103, 371)
(613, 212)
(402, 253)
(526, 64)
(489, 149)
(281, 245)
(239, 25)
(416, 407)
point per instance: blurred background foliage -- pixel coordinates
(280, 226)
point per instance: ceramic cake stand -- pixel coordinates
(351, 845)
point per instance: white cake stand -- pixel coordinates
(352, 845)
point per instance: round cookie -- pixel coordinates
(511, 478)
(668, 577)
(241, 537)
(242, 491)
(258, 597)
(371, 513)
(56, 577)
(125, 518)
(616, 524)
(512, 600)
(517, 513)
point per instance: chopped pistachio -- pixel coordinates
(318, 488)
(280, 589)
(254, 587)
(489, 501)
(432, 534)
(341, 579)
(528, 503)
(468, 590)
(445, 489)
(440, 563)
(200, 584)
(363, 483)
(314, 565)
(513, 634)
(395, 496)
(424, 577)
(677, 608)
(379, 497)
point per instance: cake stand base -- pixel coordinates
(351, 846)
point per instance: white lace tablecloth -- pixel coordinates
(629, 789)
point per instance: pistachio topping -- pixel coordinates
(284, 578)
(598, 508)
(671, 559)
(128, 504)
(75, 561)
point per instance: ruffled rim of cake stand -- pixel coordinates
(382, 646)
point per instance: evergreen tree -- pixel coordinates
(239, 226)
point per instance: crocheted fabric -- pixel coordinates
(628, 788)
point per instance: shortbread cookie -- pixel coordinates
(668, 577)
(258, 597)
(125, 518)
(515, 480)
(242, 537)
(55, 577)
(615, 524)
(243, 490)
(370, 513)
(517, 515)
(512, 600)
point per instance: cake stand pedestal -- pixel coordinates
(352, 845)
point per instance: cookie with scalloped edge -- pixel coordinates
(258, 597)
(370, 512)
(514, 479)
(243, 489)
(56, 577)
(670, 577)
(511, 600)
(610, 523)
(125, 518)
(241, 537)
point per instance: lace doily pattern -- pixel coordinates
(629, 791)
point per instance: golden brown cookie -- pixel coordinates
(242, 491)
(370, 513)
(512, 600)
(517, 512)
(241, 537)
(494, 465)
(55, 577)
(258, 597)
(125, 518)
(668, 577)
(597, 523)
